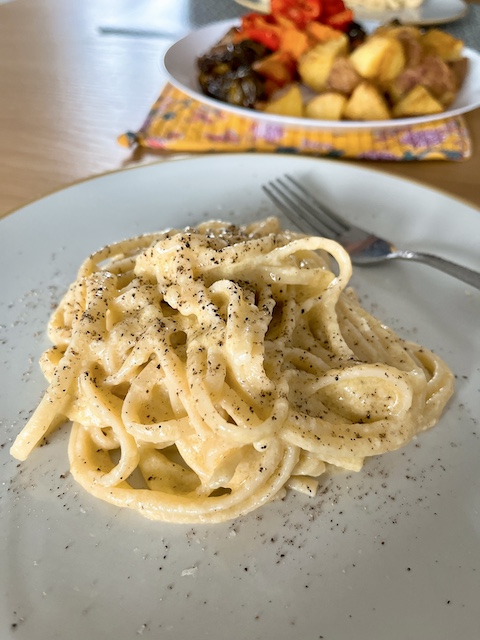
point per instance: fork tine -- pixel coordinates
(299, 205)
(321, 208)
(280, 194)
(284, 203)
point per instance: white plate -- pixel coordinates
(428, 13)
(389, 553)
(180, 65)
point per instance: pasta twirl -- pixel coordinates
(207, 370)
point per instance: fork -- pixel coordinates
(309, 214)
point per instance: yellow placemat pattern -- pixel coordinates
(179, 123)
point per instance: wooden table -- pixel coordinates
(67, 91)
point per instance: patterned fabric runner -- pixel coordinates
(179, 123)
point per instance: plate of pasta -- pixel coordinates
(226, 418)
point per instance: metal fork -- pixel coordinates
(310, 215)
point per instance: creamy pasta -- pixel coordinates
(207, 370)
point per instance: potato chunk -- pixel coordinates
(366, 103)
(432, 73)
(418, 102)
(343, 78)
(459, 69)
(326, 106)
(314, 66)
(288, 103)
(442, 44)
(379, 58)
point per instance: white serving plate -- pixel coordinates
(389, 553)
(180, 65)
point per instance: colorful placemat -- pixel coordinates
(181, 124)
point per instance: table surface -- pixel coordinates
(70, 86)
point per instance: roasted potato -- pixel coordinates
(314, 66)
(433, 74)
(326, 106)
(410, 39)
(442, 44)
(398, 71)
(343, 77)
(418, 102)
(459, 69)
(366, 103)
(288, 102)
(379, 58)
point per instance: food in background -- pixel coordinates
(384, 5)
(227, 74)
(252, 62)
(332, 70)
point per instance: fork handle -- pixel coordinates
(457, 271)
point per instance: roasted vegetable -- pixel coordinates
(288, 103)
(356, 35)
(379, 58)
(326, 106)
(366, 103)
(315, 66)
(226, 73)
(418, 102)
(330, 74)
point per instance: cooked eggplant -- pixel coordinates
(356, 35)
(226, 73)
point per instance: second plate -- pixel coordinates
(180, 63)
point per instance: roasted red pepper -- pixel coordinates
(254, 19)
(340, 20)
(269, 29)
(267, 38)
(336, 15)
(331, 7)
(261, 29)
(300, 12)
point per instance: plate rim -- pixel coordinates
(187, 158)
